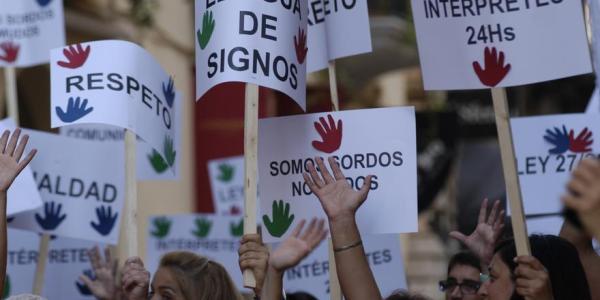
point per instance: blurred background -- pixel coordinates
(459, 159)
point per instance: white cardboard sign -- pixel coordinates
(548, 148)
(259, 42)
(28, 30)
(82, 185)
(379, 142)
(226, 177)
(593, 106)
(116, 83)
(383, 253)
(209, 235)
(336, 29)
(480, 44)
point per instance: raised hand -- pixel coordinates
(582, 143)
(43, 3)
(11, 151)
(335, 193)
(281, 219)
(169, 92)
(237, 229)
(206, 31)
(75, 110)
(157, 162)
(254, 255)
(559, 139)
(330, 133)
(203, 227)
(106, 220)
(103, 284)
(495, 70)
(135, 280)
(298, 245)
(162, 226)
(76, 56)
(83, 289)
(583, 195)
(300, 45)
(11, 51)
(489, 228)
(532, 279)
(52, 218)
(226, 172)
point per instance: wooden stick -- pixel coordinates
(130, 214)
(335, 291)
(335, 100)
(250, 168)
(10, 77)
(509, 165)
(40, 268)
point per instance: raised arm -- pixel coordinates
(340, 203)
(583, 195)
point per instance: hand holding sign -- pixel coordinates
(11, 51)
(75, 110)
(102, 285)
(330, 133)
(10, 158)
(52, 218)
(106, 220)
(254, 256)
(583, 195)
(76, 56)
(495, 70)
(296, 247)
(136, 279)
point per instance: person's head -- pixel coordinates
(300, 296)
(404, 295)
(558, 256)
(462, 280)
(187, 276)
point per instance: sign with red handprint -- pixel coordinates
(259, 42)
(379, 142)
(548, 148)
(467, 46)
(29, 30)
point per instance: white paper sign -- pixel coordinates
(379, 142)
(226, 177)
(481, 44)
(336, 29)
(593, 106)
(116, 83)
(82, 185)
(259, 42)
(545, 225)
(67, 258)
(383, 253)
(28, 30)
(215, 237)
(548, 148)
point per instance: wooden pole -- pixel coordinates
(131, 225)
(40, 267)
(509, 165)
(335, 100)
(250, 168)
(10, 78)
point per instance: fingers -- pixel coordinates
(314, 175)
(499, 223)
(4, 140)
(21, 148)
(252, 246)
(86, 280)
(251, 238)
(298, 228)
(335, 168)
(365, 188)
(482, 211)
(493, 214)
(94, 255)
(530, 261)
(324, 172)
(311, 185)
(572, 202)
(107, 257)
(12, 144)
(22, 164)
(458, 236)
(309, 231)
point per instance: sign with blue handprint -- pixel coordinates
(226, 177)
(26, 41)
(82, 194)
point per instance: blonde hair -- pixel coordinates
(199, 277)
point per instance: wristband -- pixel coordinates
(344, 248)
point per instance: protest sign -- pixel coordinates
(81, 183)
(336, 29)
(116, 83)
(379, 142)
(594, 103)
(479, 44)
(209, 235)
(258, 42)
(384, 255)
(545, 225)
(226, 177)
(28, 30)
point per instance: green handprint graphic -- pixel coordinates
(156, 160)
(237, 230)
(169, 151)
(162, 226)
(202, 228)
(226, 172)
(6, 292)
(207, 29)
(281, 219)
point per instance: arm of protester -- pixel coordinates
(578, 237)
(532, 279)
(136, 280)
(489, 228)
(11, 165)
(340, 203)
(254, 255)
(583, 195)
(104, 285)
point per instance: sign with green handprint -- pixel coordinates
(226, 177)
(161, 227)
(264, 43)
(202, 228)
(280, 220)
(237, 228)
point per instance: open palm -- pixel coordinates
(10, 157)
(103, 286)
(298, 245)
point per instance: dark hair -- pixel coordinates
(300, 296)
(464, 259)
(404, 295)
(561, 260)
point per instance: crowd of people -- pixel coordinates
(561, 267)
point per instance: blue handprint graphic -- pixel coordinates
(43, 3)
(76, 109)
(169, 92)
(558, 139)
(52, 217)
(106, 220)
(83, 289)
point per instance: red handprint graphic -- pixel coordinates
(11, 51)
(300, 45)
(495, 70)
(76, 56)
(583, 141)
(331, 135)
